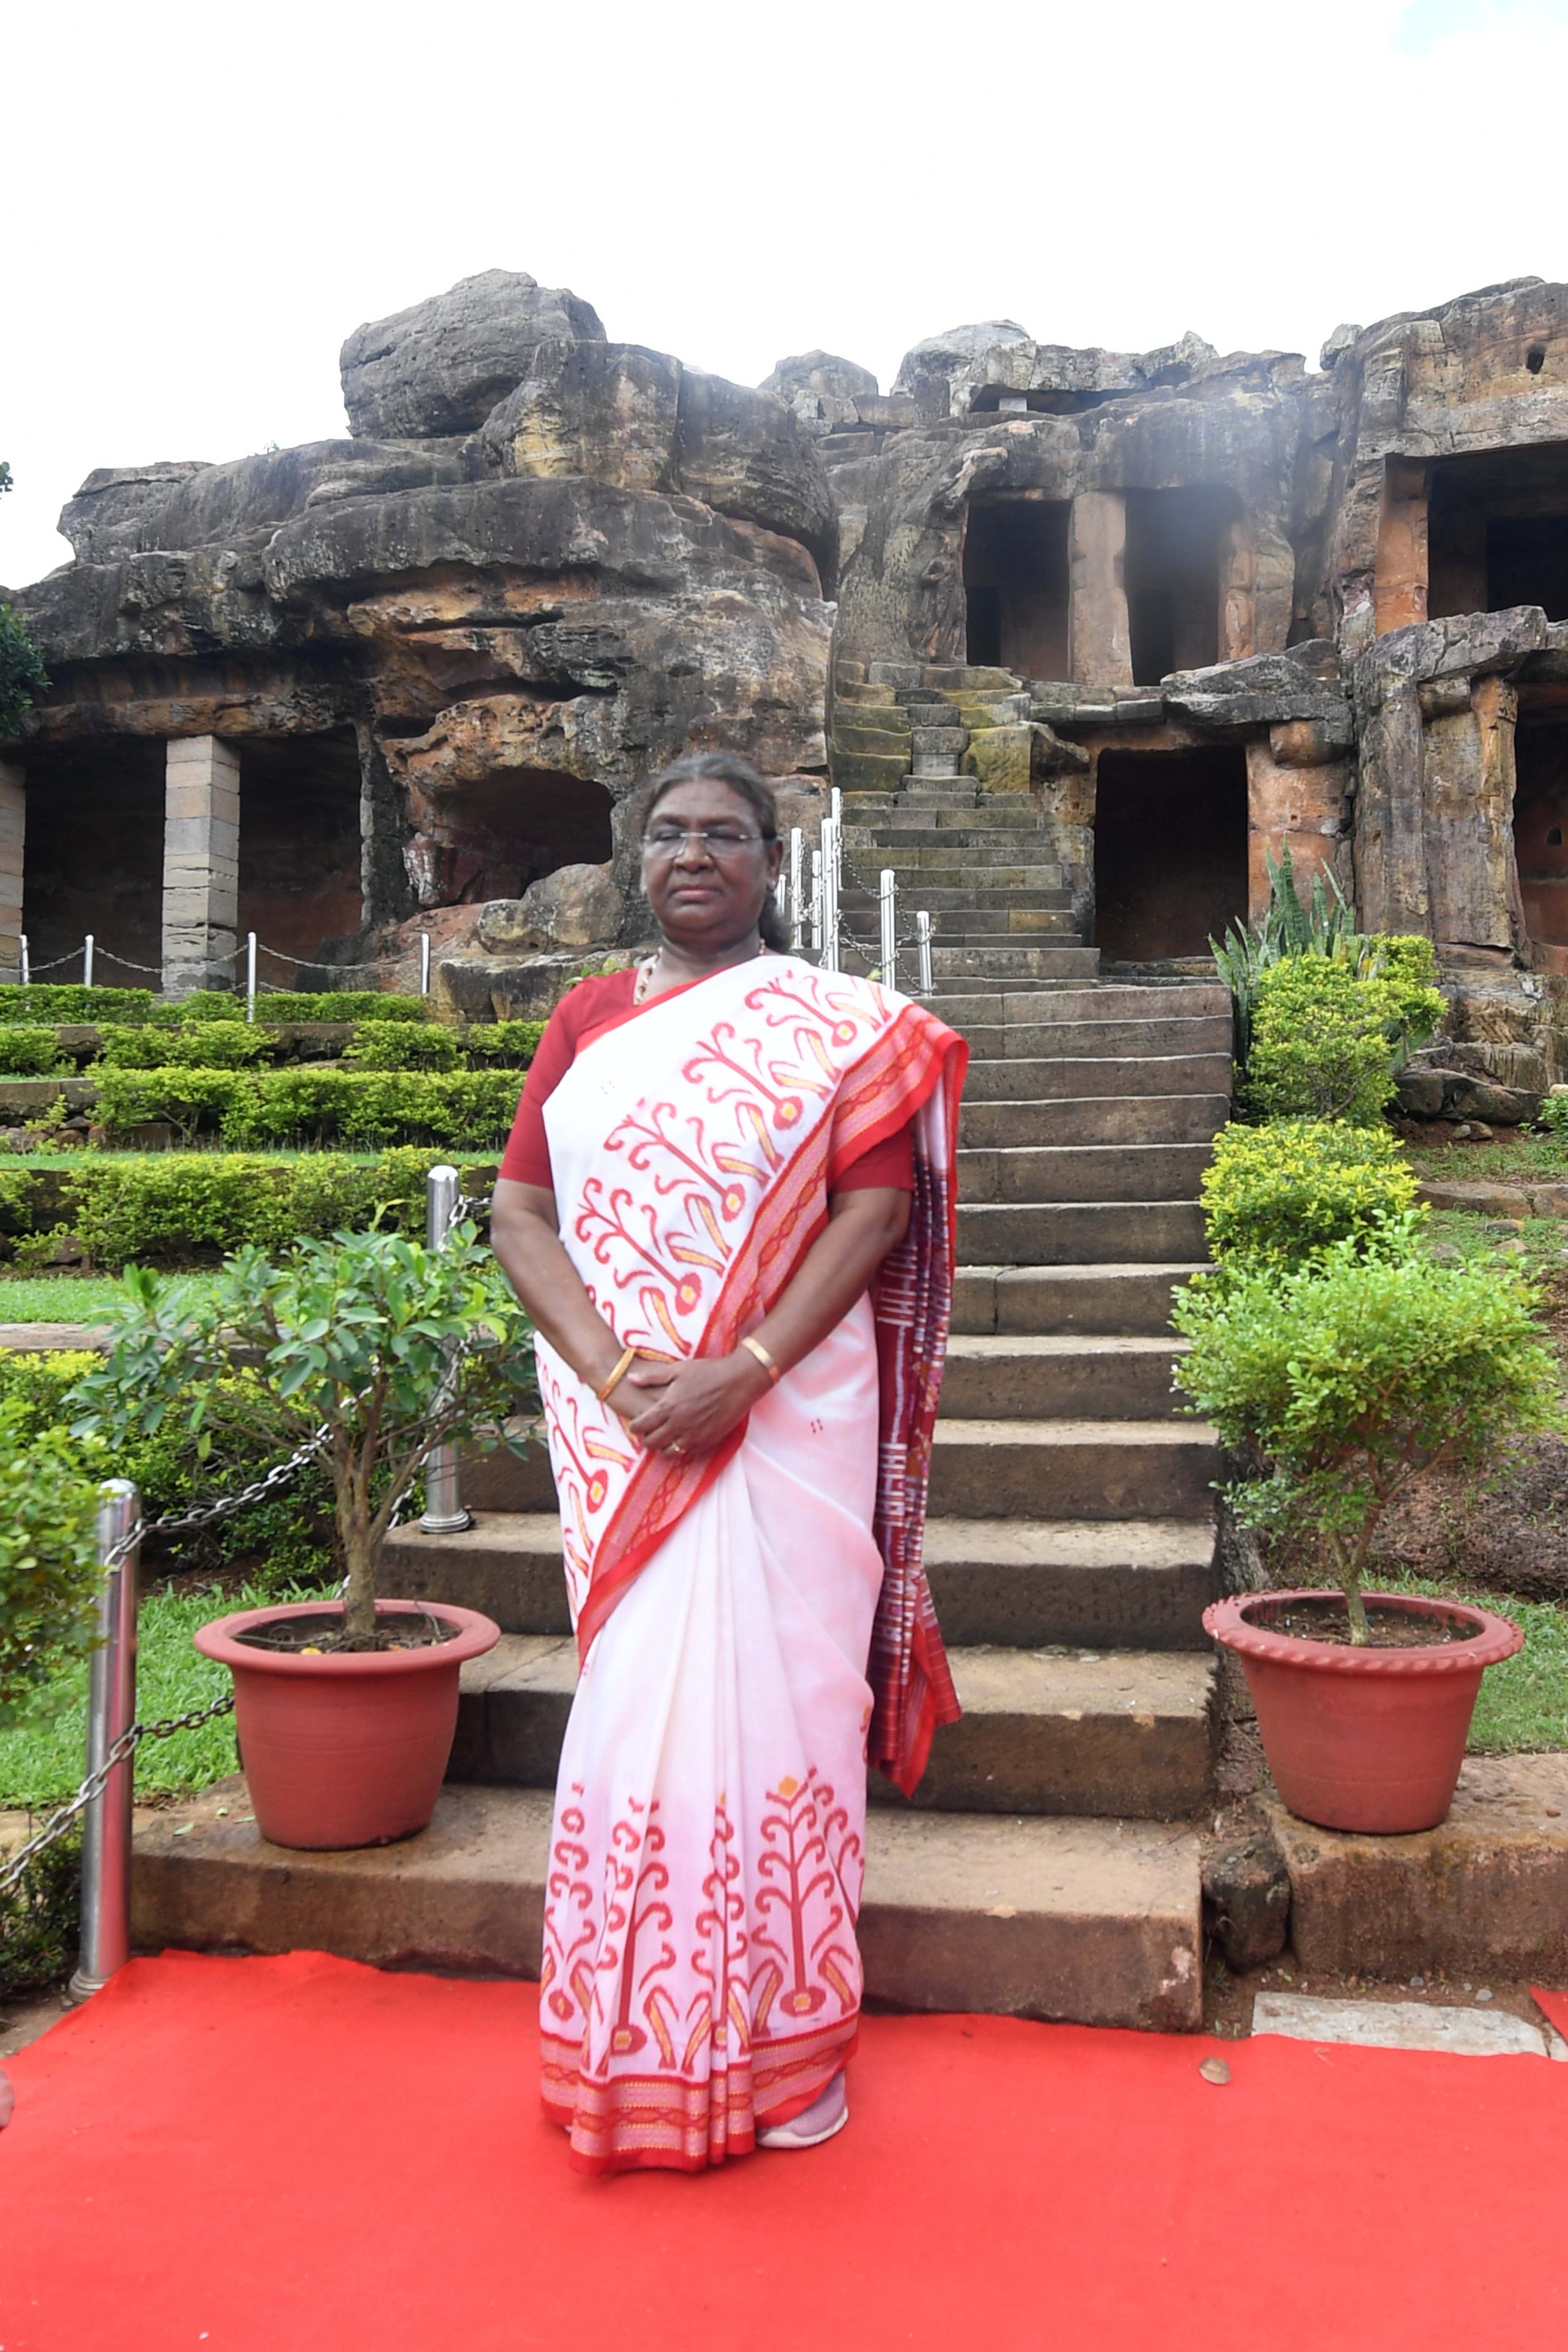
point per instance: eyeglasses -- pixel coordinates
(720, 841)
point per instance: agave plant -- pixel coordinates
(1324, 926)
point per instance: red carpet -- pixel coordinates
(300, 2155)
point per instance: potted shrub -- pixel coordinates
(1341, 1383)
(345, 1709)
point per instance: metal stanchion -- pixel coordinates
(831, 830)
(424, 964)
(797, 864)
(887, 906)
(444, 1511)
(27, 961)
(250, 975)
(815, 902)
(111, 1710)
(922, 949)
(87, 955)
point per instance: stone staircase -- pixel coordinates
(1049, 1864)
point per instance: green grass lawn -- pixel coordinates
(1523, 1704)
(1539, 1158)
(64, 1298)
(43, 1756)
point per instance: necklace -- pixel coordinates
(644, 979)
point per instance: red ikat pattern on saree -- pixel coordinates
(774, 2014)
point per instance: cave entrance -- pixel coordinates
(1173, 580)
(299, 842)
(94, 858)
(1540, 823)
(1015, 583)
(1170, 851)
(491, 838)
(1497, 531)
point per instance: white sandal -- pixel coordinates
(790, 2135)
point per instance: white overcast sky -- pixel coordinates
(202, 200)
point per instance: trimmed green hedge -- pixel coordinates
(177, 1207)
(314, 1103)
(404, 1045)
(32, 1052)
(208, 1045)
(70, 1001)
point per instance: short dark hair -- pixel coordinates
(724, 767)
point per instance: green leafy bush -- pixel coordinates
(177, 1207)
(1349, 1378)
(22, 676)
(1279, 1193)
(48, 1559)
(41, 1920)
(1326, 1041)
(404, 1045)
(395, 1348)
(510, 1043)
(337, 1004)
(314, 1104)
(208, 1045)
(44, 1000)
(30, 1054)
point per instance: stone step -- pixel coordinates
(871, 740)
(961, 677)
(990, 927)
(1103, 1001)
(1059, 1376)
(1127, 1733)
(918, 828)
(1092, 1119)
(1139, 1584)
(1091, 1921)
(937, 764)
(1115, 1585)
(1035, 1035)
(1073, 1469)
(1016, 962)
(868, 771)
(1093, 1301)
(966, 904)
(1081, 1232)
(1204, 1078)
(1088, 1171)
(938, 852)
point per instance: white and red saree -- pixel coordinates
(754, 1622)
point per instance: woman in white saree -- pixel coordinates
(729, 1205)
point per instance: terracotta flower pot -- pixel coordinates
(1362, 1739)
(350, 1749)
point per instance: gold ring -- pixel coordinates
(677, 1447)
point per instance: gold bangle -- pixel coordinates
(772, 1369)
(622, 1368)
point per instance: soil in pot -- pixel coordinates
(1324, 1617)
(309, 1637)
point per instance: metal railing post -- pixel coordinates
(87, 955)
(250, 975)
(922, 949)
(27, 961)
(444, 1512)
(815, 902)
(887, 906)
(830, 852)
(797, 861)
(111, 1710)
(424, 964)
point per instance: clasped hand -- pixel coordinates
(687, 1408)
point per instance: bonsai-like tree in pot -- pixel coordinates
(380, 1345)
(1340, 1383)
(373, 1350)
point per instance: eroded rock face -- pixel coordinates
(440, 366)
(575, 906)
(823, 391)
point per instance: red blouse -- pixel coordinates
(595, 1005)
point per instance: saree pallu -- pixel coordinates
(701, 1976)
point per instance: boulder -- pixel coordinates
(823, 391)
(441, 366)
(245, 500)
(604, 409)
(1265, 689)
(744, 453)
(107, 515)
(575, 906)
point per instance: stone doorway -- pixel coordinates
(1016, 586)
(1497, 531)
(1541, 828)
(1170, 851)
(1173, 580)
(300, 844)
(94, 857)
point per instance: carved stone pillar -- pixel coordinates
(201, 864)
(13, 836)
(1100, 638)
